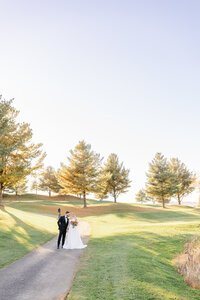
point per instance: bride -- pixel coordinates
(73, 239)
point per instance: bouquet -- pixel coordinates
(74, 223)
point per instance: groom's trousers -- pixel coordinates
(62, 234)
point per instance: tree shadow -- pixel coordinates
(162, 216)
(21, 239)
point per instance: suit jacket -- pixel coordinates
(62, 224)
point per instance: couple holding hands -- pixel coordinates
(68, 224)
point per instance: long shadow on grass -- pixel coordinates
(148, 216)
(134, 267)
(161, 216)
(20, 240)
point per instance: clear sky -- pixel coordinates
(122, 75)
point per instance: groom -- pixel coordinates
(62, 226)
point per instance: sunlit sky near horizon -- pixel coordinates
(122, 75)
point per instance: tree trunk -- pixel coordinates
(179, 199)
(84, 200)
(49, 193)
(115, 197)
(163, 202)
(1, 196)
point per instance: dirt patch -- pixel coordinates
(188, 263)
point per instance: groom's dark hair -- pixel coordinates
(67, 212)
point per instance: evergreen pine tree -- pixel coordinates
(35, 186)
(19, 187)
(19, 157)
(101, 192)
(185, 179)
(48, 181)
(80, 176)
(141, 196)
(161, 182)
(114, 177)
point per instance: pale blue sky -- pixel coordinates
(123, 75)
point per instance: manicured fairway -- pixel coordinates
(129, 255)
(21, 232)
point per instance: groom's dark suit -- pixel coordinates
(62, 226)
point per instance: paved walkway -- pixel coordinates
(44, 274)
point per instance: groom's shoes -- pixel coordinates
(57, 247)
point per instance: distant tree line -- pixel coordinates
(84, 173)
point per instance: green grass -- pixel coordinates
(22, 232)
(129, 256)
(24, 202)
(130, 251)
(61, 199)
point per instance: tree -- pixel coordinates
(101, 192)
(19, 187)
(116, 177)
(185, 179)
(141, 196)
(35, 186)
(19, 157)
(197, 184)
(161, 182)
(80, 176)
(151, 199)
(48, 181)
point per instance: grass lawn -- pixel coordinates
(22, 232)
(129, 256)
(125, 260)
(130, 251)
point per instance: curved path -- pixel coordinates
(44, 274)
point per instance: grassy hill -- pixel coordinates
(131, 248)
(22, 232)
(11, 197)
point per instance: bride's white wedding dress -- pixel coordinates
(73, 239)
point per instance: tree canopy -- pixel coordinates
(114, 178)
(141, 196)
(19, 157)
(81, 173)
(185, 180)
(48, 181)
(161, 182)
